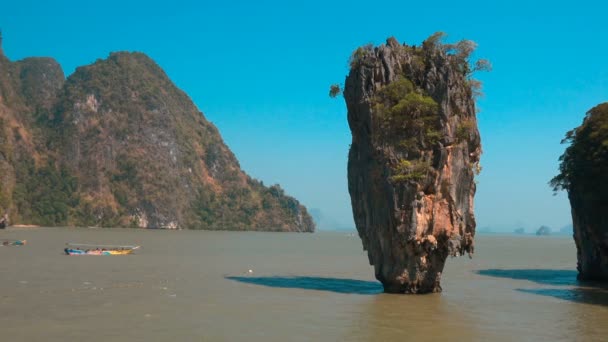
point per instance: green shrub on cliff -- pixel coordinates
(584, 164)
(359, 54)
(334, 90)
(434, 41)
(459, 55)
(410, 170)
(464, 129)
(405, 110)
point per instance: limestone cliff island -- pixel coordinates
(414, 155)
(117, 144)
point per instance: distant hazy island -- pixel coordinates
(118, 145)
(543, 231)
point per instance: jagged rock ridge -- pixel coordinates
(415, 150)
(117, 144)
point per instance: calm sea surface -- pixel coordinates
(196, 286)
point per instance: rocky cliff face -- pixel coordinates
(415, 150)
(28, 89)
(584, 174)
(117, 144)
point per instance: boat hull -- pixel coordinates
(70, 251)
(13, 242)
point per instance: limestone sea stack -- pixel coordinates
(584, 175)
(413, 159)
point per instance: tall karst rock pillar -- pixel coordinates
(414, 155)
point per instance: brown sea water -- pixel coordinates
(196, 286)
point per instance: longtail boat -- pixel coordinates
(5, 242)
(88, 249)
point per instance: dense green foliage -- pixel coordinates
(243, 208)
(5, 148)
(464, 130)
(405, 110)
(410, 170)
(584, 164)
(406, 113)
(358, 56)
(44, 195)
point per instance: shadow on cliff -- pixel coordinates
(337, 285)
(541, 276)
(574, 291)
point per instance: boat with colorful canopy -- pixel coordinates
(90, 249)
(7, 242)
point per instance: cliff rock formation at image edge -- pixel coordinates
(584, 175)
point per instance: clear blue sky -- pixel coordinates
(260, 70)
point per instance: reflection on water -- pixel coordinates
(350, 286)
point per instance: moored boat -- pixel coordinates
(88, 249)
(6, 242)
